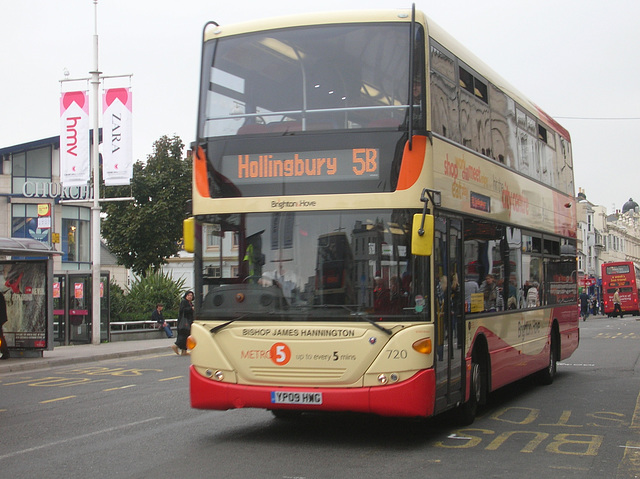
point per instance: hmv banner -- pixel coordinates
(74, 138)
(117, 151)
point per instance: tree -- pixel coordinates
(155, 288)
(144, 232)
(144, 294)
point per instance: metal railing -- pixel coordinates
(134, 330)
(116, 326)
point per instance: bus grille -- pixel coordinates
(299, 373)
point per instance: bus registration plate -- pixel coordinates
(289, 397)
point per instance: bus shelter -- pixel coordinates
(26, 281)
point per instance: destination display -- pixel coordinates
(322, 165)
(618, 269)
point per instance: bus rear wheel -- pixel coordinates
(549, 373)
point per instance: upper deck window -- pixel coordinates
(472, 84)
(307, 78)
(443, 62)
(542, 133)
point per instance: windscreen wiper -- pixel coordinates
(374, 323)
(217, 328)
(361, 316)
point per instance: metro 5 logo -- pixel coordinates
(280, 354)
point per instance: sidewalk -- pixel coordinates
(64, 355)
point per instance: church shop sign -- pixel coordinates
(47, 189)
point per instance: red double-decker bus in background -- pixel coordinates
(623, 275)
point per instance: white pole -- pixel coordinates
(95, 209)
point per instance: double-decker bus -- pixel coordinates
(452, 194)
(624, 277)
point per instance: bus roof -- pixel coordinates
(212, 31)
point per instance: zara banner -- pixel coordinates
(74, 138)
(117, 151)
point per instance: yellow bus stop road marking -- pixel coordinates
(630, 464)
(121, 387)
(56, 399)
(170, 379)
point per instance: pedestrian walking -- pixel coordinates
(584, 305)
(185, 318)
(158, 317)
(617, 308)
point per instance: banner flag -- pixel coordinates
(117, 145)
(75, 167)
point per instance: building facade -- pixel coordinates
(605, 238)
(35, 205)
(30, 185)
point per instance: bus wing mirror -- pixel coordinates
(189, 234)
(422, 235)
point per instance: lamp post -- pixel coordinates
(95, 109)
(94, 116)
(95, 208)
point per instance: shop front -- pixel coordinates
(26, 284)
(35, 207)
(72, 308)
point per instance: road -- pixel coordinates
(131, 418)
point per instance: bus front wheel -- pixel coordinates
(477, 385)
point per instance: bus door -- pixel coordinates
(448, 315)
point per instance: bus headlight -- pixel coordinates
(386, 379)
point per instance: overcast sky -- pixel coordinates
(576, 59)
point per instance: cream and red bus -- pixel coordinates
(381, 224)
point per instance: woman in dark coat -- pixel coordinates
(4, 349)
(185, 318)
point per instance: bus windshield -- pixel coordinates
(307, 78)
(312, 266)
